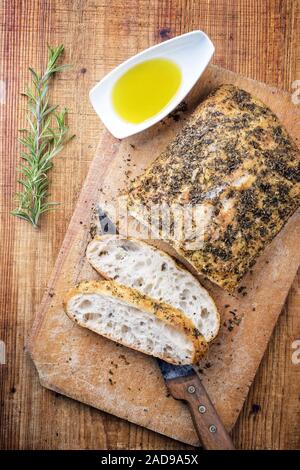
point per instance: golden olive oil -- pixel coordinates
(145, 89)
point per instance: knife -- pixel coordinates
(184, 384)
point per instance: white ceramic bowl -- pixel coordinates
(192, 52)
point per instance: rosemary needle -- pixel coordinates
(45, 137)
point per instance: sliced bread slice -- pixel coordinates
(126, 316)
(139, 265)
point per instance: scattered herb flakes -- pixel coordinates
(177, 113)
(123, 357)
(241, 289)
(232, 322)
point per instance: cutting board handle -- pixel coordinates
(209, 427)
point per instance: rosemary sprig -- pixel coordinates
(45, 137)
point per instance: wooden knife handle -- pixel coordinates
(209, 427)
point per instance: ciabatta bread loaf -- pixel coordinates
(139, 265)
(126, 316)
(234, 167)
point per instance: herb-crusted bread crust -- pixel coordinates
(238, 163)
(80, 304)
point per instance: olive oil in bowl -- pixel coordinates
(146, 89)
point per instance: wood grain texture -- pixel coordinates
(257, 39)
(79, 365)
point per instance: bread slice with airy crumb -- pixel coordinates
(128, 317)
(139, 265)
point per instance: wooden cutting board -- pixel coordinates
(110, 377)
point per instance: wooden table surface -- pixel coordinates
(259, 39)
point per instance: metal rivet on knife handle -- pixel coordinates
(212, 428)
(191, 389)
(201, 408)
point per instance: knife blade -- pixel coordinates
(184, 384)
(106, 224)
